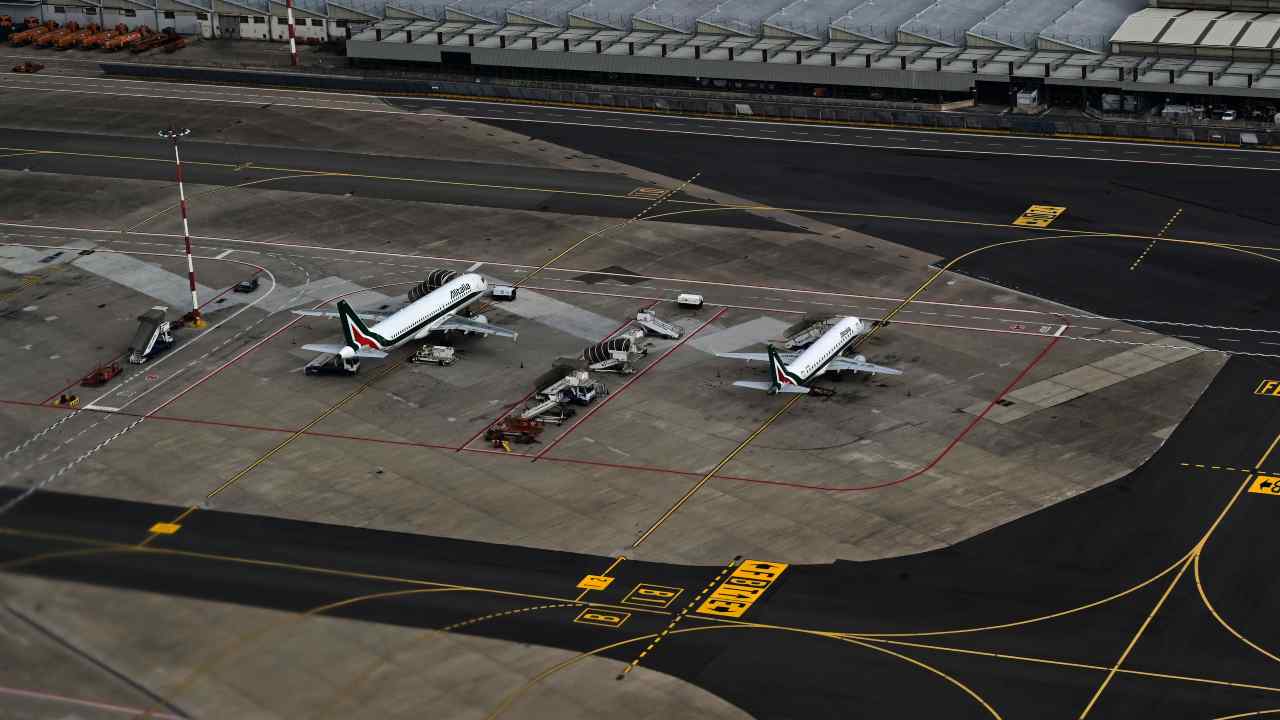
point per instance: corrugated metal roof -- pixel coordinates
(1145, 26)
(1187, 29)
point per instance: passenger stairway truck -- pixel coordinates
(152, 337)
(617, 354)
(653, 326)
(575, 388)
(810, 334)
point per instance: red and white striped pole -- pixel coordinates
(293, 43)
(195, 319)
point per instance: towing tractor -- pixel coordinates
(101, 375)
(513, 430)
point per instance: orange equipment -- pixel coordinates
(126, 39)
(96, 40)
(48, 39)
(33, 32)
(152, 41)
(70, 40)
(513, 429)
(101, 375)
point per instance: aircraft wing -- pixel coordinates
(848, 363)
(368, 317)
(768, 387)
(456, 323)
(786, 357)
(335, 349)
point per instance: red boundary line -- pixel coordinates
(531, 393)
(119, 357)
(627, 384)
(595, 463)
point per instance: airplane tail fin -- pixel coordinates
(355, 332)
(783, 380)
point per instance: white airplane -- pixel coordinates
(431, 313)
(795, 372)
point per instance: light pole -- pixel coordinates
(293, 42)
(193, 317)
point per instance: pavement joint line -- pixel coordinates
(382, 373)
(676, 620)
(1156, 239)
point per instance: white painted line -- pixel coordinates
(475, 266)
(202, 88)
(1061, 329)
(102, 408)
(223, 254)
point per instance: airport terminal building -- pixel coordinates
(937, 50)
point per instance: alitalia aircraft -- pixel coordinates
(433, 312)
(795, 372)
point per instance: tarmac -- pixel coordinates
(1020, 466)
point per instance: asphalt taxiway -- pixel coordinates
(1029, 615)
(242, 482)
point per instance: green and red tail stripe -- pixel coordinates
(782, 376)
(357, 334)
